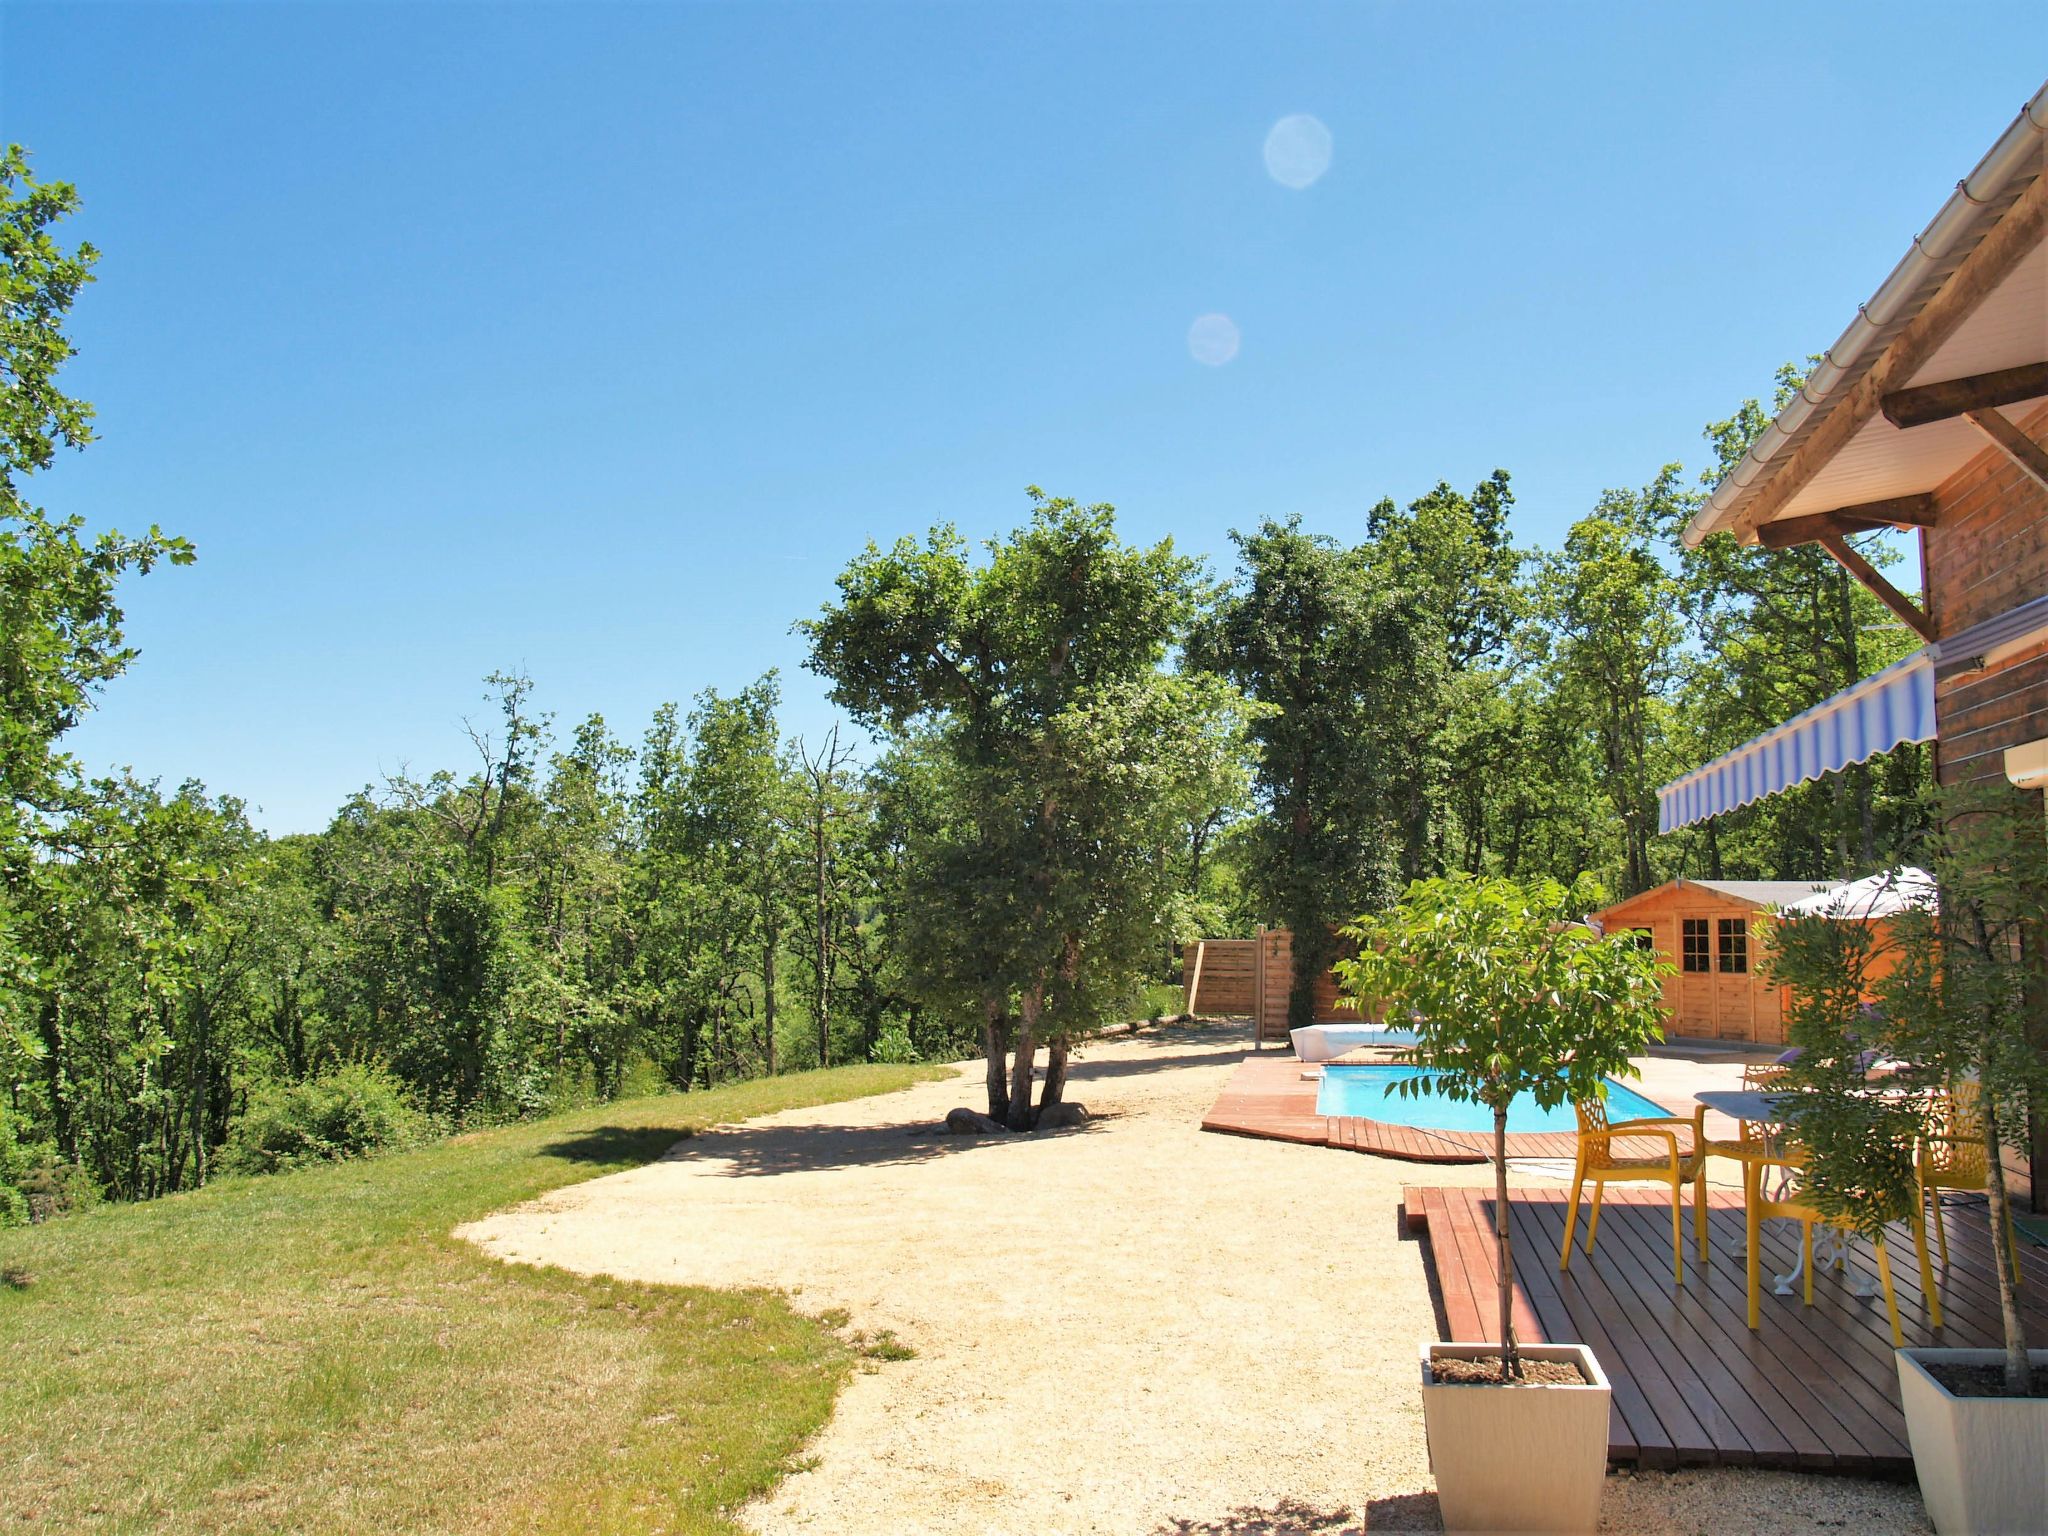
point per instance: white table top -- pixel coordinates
(1754, 1104)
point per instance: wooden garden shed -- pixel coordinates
(1702, 927)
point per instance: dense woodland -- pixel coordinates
(1063, 755)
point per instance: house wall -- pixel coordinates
(1988, 552)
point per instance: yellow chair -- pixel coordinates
(1760, 1207)
(1677, 1167)
(1954, 1157)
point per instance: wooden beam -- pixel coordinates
(1787, 532)
(1872, 578)
(1895, 512)
(1923, 403)
(2014, 236)
(2019, 447)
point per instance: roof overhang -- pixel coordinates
(1969, 299)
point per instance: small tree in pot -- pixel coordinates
(1958, 1004)
(1509, 994)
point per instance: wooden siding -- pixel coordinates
(1712, 1004)
(1987, 553)
(1226, 973)
(1276, 980)
(1253, 977)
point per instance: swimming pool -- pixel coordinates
(1367, 1092)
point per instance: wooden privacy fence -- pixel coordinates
(1252, 977)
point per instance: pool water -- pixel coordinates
(1368, 1092)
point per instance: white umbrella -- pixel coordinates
(1885, 894)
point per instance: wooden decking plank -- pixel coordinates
(1461, 1311)
(1797, 1359)
(1801, 1367)
(1475, 1258)
(1586, 1296)
(1630, 1411)
(1769, 1366)
(1854, 1330)
(1692, 1384)
(1740, 1428)
(1774, 1423)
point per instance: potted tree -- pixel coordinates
(1510, 995)
(1957, 1000)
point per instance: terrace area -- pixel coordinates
(1814, 1389)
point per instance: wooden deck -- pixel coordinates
(1270, 1098)
(1814, 1388)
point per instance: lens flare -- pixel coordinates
(1212, 340)
(1297, 151)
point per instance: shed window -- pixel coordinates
(1734, 944)
(1646, 938)
(1693, 956)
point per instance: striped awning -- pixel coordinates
(1877, 714)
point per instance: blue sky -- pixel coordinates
(595, 339)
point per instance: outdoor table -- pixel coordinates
(1762, 1106)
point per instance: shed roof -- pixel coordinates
(1752, 893)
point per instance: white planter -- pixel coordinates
(1517, 1458)
(1982, 1461)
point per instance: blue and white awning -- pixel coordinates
(1877, 714)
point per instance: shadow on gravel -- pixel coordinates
(754, 1150)
(1299, 1518)
(1294, 1517)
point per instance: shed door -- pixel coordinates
(1695, 1012)
(1734, 987)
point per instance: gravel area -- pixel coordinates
(1133, 1327)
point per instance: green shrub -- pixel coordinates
(348, 1111)
(894, 1047)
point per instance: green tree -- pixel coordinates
(1613, 608)
(61, 634)
(1333, 661)
(1047, 747)
(1454, 579)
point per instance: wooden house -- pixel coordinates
(1703, 928)
(1929, 415)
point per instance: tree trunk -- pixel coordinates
(768, 998)
(2017, 1374)
(824, 976)
(1023, 1058)
(199, 1070)
(1510, 1356)
(995, 1046)
(1055, 1074)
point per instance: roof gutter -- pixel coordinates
(2021, 142)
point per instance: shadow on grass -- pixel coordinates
(617, 1143)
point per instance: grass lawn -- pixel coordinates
(314, 1352)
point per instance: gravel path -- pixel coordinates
(1132, 1328)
